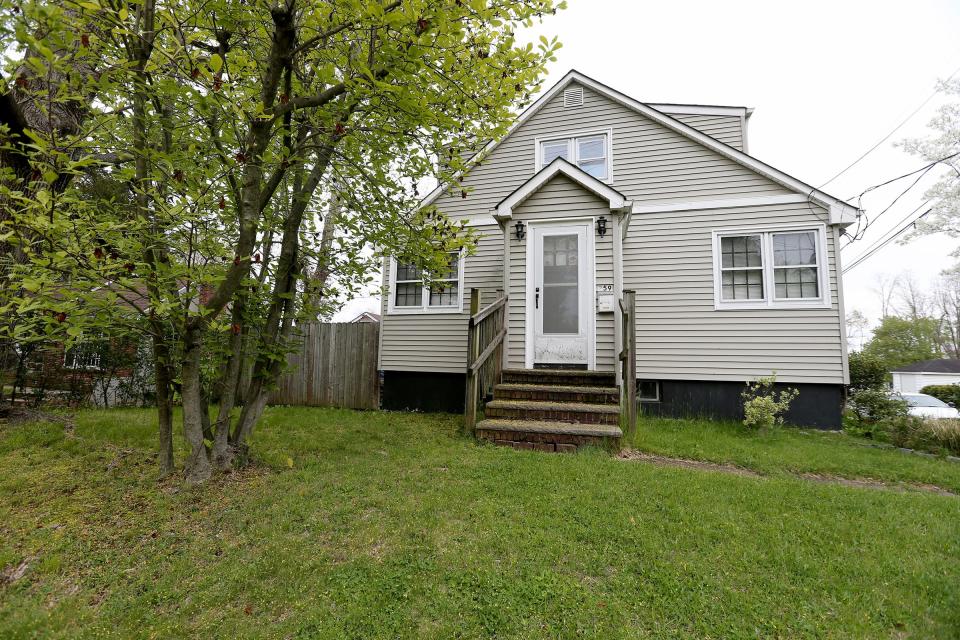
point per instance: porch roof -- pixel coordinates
(617, 201)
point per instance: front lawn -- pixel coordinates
(390, 525)
(788, 450)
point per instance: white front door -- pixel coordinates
(561, 295)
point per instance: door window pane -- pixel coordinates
(560, 294)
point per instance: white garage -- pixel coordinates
(912, 378)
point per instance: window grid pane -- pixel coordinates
(409, 294)
(444, 293)
(741, 252)
(407, 272)
(742, 284)
(550, 151)
(795, 249)
(592, 148)
(796, 282)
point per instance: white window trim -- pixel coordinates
(656, 397)
(572, 148)
(424, 308)
(769, 289)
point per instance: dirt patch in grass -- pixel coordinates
(640, 456)
(869, 483)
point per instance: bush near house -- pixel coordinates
(867, 371)
(873, 413)
(946, 392)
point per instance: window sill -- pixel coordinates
(421, 311)
(753, 306)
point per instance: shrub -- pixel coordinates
(946, 392)
(873, 413)
(943, 434)
(763, 407)
(867, 371)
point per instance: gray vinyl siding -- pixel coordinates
(677, 323)
(726, 129)
(668, 260)
(559, 198)
(438, 342)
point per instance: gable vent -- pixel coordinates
(573, 97)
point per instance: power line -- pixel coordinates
(876, 247)
(887, 137)
(861, 231)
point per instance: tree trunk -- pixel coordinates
(164, 383)
(197, 467)
(279, 322)
(222, 449)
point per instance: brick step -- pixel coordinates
(546, 435)
(561, 377)
(575, 412)
(557, 393)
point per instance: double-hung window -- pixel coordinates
(413, 293)
(590, 152)
(776, 268)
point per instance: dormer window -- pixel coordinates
(590, 152)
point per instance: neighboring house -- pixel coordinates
(914, 377)
(366, 316)
(735, 264)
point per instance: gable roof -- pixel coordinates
(944, 365)
(840, 212)
(560, 166)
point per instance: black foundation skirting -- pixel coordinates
(818, 405)
(426, 391)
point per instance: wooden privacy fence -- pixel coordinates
(334, 366)
(485, 334)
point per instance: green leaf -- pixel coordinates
(216, 62)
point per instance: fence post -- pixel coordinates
(630, 300)
(470, 399)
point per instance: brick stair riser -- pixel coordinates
(526, 413)
(556, 396)
(554, 442)
(572, 379)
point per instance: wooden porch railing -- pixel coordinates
(628, 364)
(485, 335)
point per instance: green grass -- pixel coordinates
(390, 525)
(787, 450)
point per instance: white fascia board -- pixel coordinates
(698, 110)
(717, 203)
(616, 200)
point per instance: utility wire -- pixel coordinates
(861, 231)
(887, 137)
(876, 247)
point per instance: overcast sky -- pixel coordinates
(827, 80)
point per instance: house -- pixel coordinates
(735, 264)
(367, 316)
(912, 378)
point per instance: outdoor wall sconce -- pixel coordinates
(520, 230)
(602, 226)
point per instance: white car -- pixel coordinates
(924, 406)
